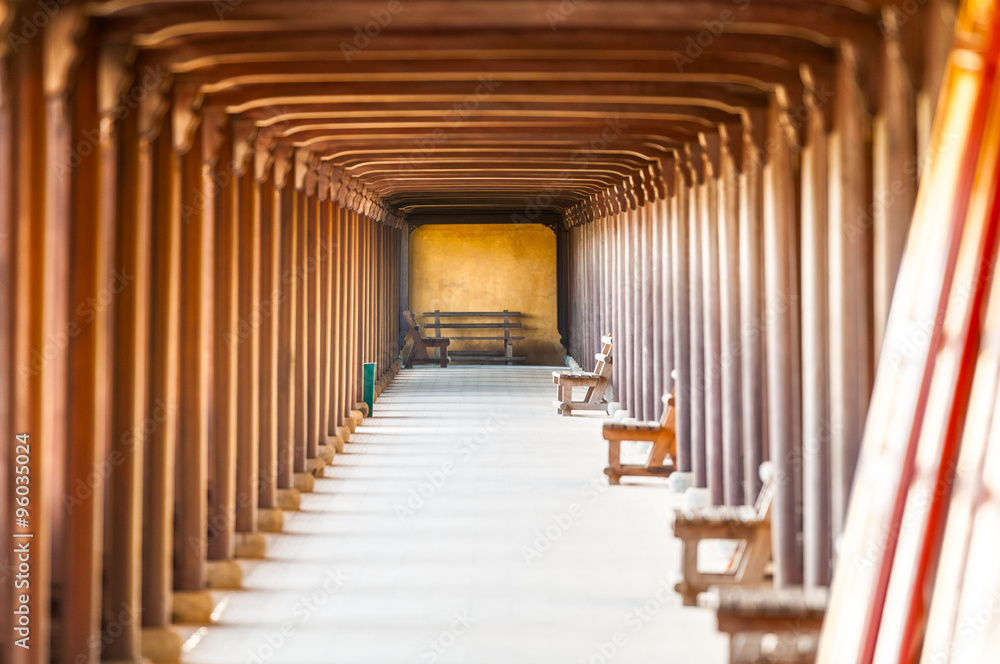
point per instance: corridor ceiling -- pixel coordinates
(499, 106)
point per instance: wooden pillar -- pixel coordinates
(248, 221)
(646, 357)
(354, 366)
(711, 310)
(31, 397)
(301, 334)
(624, 331)
(658, 264)
(197, 240)
(696, 287)
(158, 202)
(729, 337)
(779, 273)
(817, 535)
(218, 206)
(851, 359)
(311, 316)
(80, 286)
(131, 317)
(752, 305)
(326, 304)
(284, 219)
(270, 299)
(681, 266)
(665, 222)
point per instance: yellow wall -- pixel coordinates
(489, 267)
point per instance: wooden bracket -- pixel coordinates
(213, 135)
(282, 164)
(710, 153)
(244, 136)
(186, 116)
(264, 149)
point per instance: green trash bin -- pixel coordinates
(369, 386)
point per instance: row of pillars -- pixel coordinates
(185, 308)
(758, 272)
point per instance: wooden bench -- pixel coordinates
(597, 383)
(770, 625)
(660, 462)
(418, 352)
(749, 526)
(506, 355)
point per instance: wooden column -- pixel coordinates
(647, 359)
(696, 288)
(681, 265)
(311, 314)
(7, 227)
(31, 397)
(817, 534)
(197, 240)
(248, 221)
(270, 299)
(284, 219)
(658, 264)
(301, 333)
(624, 331)
(729, 301)
(218, 206)
(79, 238)
(752, 305)
(851, 360)
(665, 222)
(709, 227)
(120, 177)
(158, 203)
(779, 272)
(326, 302)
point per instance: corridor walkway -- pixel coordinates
(466, 522)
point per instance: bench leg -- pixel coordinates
(614, 469)
(444, 356)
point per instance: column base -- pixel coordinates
(288, 499)
(315, 467)
(326, 452)
(223, 575)
(192, 607)
(269, 520)
(137, 660)
(303, 482)
(344, 432)
(363, 407)
(357, 418)
(250, 545)
(336, 442)
(161, 645)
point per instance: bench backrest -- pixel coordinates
(602, 369)
(766, 497)
(667, 419)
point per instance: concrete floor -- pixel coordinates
(467, 523)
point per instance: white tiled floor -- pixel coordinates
(435, 517)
